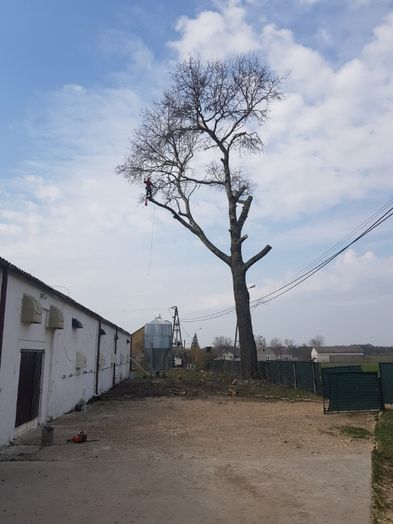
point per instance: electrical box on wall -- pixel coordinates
(31, 310)
(81, 360)
(55, 318)
(101, 361)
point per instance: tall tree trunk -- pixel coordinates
(248, 350)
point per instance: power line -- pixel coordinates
(349, 235)
(307, 273)
(294, 283)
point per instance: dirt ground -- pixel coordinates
(191, 461)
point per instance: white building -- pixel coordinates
(337, 354)
(54, 353)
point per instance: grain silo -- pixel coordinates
(158, 342)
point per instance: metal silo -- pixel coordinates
(158, 342)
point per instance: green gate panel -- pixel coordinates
(305, 376)
(336, 370)
(351, 391)
(386, 374)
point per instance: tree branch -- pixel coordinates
(195, 229)
(242, 239)
(257, 257)
(244, 214)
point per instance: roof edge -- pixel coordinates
(14, 269)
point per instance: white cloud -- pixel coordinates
(41, 188)
(348, 302)
(73, 88)
(215, 34)
(9, 230)
(328, 142)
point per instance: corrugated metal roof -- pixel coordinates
(14, 269)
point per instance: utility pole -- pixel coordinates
(177, 341)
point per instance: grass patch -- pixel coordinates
(382, 469)
(371, 367)
(354, 432)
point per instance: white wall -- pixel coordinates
(63, 385)
(319, 357)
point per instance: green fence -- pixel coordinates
(302, 375)
(288, 374)
(344, 388)
(386, 374)
(273, 371)
(351, 391)
(229, 367)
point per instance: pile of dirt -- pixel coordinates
(202, 384)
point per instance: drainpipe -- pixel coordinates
(98, 354)
(114, 365)
(3, 296)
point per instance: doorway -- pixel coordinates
(29, 386)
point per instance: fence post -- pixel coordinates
(279, 372)
(313, 378)
(380, 387)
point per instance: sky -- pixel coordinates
(76, 76)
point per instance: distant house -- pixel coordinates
(278, 353)
(227, 355)
(265, 353)
(337, 354)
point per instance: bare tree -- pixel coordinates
(289, 343)
(260, 342)
(317, 342)
(222, 344)
(215, 107)
(276, 343)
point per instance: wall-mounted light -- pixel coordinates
(102, 332)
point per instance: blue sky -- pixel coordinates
(75, 76)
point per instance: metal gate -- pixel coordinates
(29, 386)
(351, 391)
(386, 374)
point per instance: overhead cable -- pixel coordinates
(315, 267)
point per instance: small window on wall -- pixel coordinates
(76, 324)
(31, 310)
